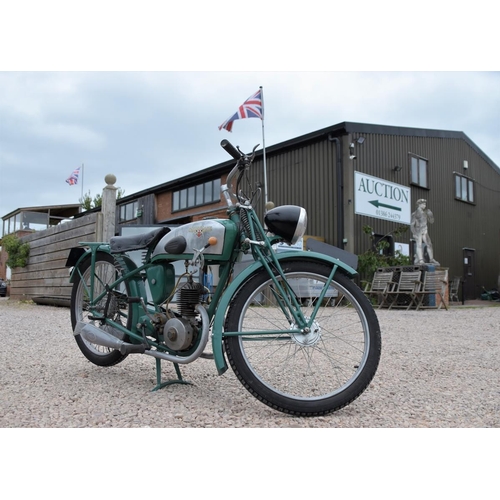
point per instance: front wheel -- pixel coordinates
(303, 373)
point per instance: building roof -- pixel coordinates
(337, 130)
(64, 211)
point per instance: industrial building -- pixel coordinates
(352, 175)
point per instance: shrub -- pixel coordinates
(17, 251)
(374, 257)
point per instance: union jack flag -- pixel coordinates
(251, 108)
(72, 180)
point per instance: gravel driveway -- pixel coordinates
(438, 369)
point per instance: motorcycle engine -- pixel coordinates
(180, 333)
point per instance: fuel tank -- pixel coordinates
(181, 241)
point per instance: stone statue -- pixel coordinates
(419, 220)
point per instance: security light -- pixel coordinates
(352, 156)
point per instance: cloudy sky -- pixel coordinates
(139, 89)
(59, 111)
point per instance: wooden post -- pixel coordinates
(108, 208)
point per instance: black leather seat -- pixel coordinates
(120, 244)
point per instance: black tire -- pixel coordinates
(118, 310)
(304, 375)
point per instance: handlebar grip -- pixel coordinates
(230, 149)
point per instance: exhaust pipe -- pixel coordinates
(100, 337)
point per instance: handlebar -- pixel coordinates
(230, 149)
(243, 162)
(242, 158)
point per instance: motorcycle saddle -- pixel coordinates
(121, 244)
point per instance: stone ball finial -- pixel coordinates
(110, 179)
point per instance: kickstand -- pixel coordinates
(160, 384)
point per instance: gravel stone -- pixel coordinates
(438, 369)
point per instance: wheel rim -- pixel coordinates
(310, 366)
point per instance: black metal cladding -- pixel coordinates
(303, 172)
(303, 176)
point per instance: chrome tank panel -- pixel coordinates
(197, 235)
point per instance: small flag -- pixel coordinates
(72, 180)
(251, 108)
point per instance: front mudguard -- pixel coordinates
(240, 279)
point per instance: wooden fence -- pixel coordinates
(46, 278)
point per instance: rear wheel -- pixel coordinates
(105, 273)
(306, 374)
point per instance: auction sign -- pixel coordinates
(381, 199)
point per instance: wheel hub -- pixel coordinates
(178, 334)
(308, 339)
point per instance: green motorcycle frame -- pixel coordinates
(294, 327)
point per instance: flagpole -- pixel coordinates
(264, 149)
(82, 185)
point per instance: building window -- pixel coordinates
(129, 211)
(464, 188)
(419, 171)
(194, 196)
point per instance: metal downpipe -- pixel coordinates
(340, 190)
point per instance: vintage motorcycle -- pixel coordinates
(297, 331)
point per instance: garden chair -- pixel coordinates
(404, 292)
(379, 285)
(454, 286)
(435, 283)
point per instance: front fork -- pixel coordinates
(265, 255)
(263, 252)
(286, 297)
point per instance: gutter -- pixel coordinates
(340, 190)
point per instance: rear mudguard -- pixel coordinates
(240, 279)
(78, 255)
